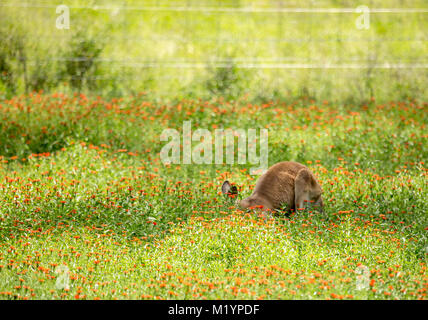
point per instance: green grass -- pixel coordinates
(82, 186)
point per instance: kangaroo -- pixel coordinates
(285, 183)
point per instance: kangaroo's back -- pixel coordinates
(277, 184)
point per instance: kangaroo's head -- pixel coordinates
(231, 191)
(314, 194)
(317, 202)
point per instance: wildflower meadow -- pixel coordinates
(88, 210)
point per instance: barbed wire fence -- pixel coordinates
(276, 10)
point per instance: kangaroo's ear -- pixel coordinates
(228, 189)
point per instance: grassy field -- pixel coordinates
(88, 210)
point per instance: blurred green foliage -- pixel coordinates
(215, 48)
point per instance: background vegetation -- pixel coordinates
(169, 51)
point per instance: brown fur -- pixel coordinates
(286, 183)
